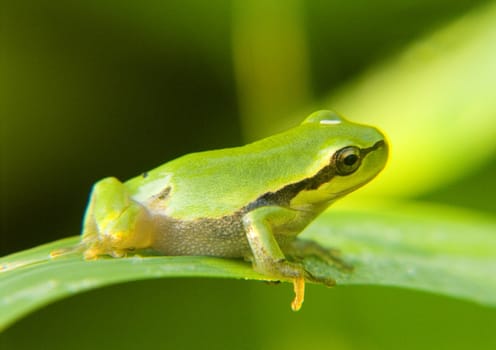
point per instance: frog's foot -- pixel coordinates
(300, 248)
(295, 272)
(92, 247)
(95, 248)
(286, 270)
(78, 248)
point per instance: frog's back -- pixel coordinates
(221, 182)
(218, 183)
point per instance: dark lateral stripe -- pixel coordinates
(284, 195)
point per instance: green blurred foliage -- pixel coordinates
(91, 89)
(435, 99)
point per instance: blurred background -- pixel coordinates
(90, 89)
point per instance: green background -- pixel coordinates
(91, 89)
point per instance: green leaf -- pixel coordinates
(445, 251)
(425, 247)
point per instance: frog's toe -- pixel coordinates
(301, 249)
(92, 252)
(299, 286)
(327, 281)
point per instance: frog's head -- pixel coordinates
(348, 156)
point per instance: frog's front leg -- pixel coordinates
(114, 223)
(268, 257)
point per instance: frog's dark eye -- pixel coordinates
(347, 160)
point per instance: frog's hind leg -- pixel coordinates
(114, 223)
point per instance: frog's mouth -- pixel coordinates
(337, 195)
(377, 145)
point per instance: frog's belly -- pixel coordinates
(223, 237)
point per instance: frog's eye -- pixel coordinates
(347, 160)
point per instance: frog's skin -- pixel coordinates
(244, 202)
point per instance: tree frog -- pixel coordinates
(244, 202)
